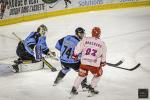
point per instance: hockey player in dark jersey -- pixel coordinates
(33, 47)
(66, 46)
(66, 3)
(3, 6)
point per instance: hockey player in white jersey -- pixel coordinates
(93, 58)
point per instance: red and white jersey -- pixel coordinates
(93, 51)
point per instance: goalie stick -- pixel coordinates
(43, 59)
(129, 69)
(17, 36)
(53, 69)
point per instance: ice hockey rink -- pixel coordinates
(126, 33)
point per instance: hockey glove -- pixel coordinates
(103, 64)
(75, 57)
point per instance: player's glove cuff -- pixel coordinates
(103, 64)
(75, 57)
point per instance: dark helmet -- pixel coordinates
(42, 29)
(80, 32)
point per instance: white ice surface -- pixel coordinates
(127, 36)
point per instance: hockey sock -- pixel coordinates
(59, 77)
(66, 4)
(84, 83)
(78, 81)
(94, 81)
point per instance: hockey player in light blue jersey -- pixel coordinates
(33, 47)
(66, 46)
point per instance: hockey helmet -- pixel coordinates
(96, 31)
(42, 29)
(80, 32)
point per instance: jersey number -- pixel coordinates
(90, 51)
(67, 51)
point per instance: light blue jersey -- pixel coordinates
(66, 47)
(35, 39)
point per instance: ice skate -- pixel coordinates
(92, 91)
(57, 81)
(85, 87)
(15, 68)
(59, 78)
(73, 92)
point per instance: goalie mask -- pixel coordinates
(80, 32)
(96, 32)
(42, 29)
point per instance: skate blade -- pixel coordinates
(92, 94)
(85, 89)
(54, 84)
(11, 67)
(72, 95)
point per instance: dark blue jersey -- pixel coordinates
(35, 39)
(66, 46)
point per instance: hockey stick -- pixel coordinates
(55, 4)
(17, 36)
(129, 69)
(1, 35)
(116, 64)
(43, 60)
